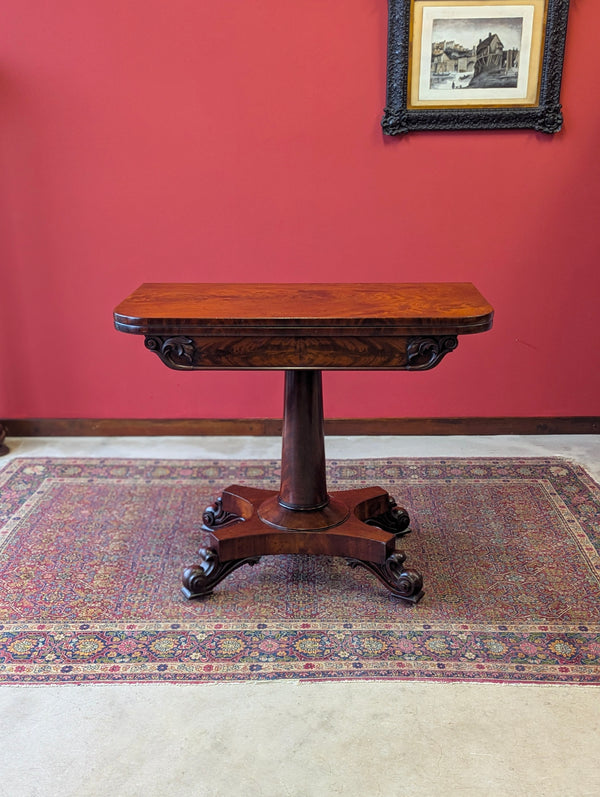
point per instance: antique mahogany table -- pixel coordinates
(303, 329)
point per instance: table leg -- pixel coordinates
(302, 517)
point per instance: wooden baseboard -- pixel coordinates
(127, 427)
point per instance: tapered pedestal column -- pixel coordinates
(302, 502)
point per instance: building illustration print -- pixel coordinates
(475, 53)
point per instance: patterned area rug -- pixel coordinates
(91, 553)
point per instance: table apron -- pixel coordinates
(218, 352)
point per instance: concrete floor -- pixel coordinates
(298, 739)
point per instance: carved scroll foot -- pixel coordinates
(404, 584)
(395, 519)
(200, 579)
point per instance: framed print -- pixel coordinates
(475, 64)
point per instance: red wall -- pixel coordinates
(193, 140)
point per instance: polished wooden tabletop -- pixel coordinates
(453, 307)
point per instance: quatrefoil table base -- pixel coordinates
(303, 329)
(360, 525)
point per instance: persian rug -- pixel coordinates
(91, 553)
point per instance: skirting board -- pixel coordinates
(127, 427)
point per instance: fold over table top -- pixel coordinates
(452, 308)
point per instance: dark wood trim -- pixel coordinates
(3, 448)
(258, 427)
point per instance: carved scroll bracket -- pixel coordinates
(426, 352)
(175, 352)
(395, 519)
(216, 517)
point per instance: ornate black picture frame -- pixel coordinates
(468, 64)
